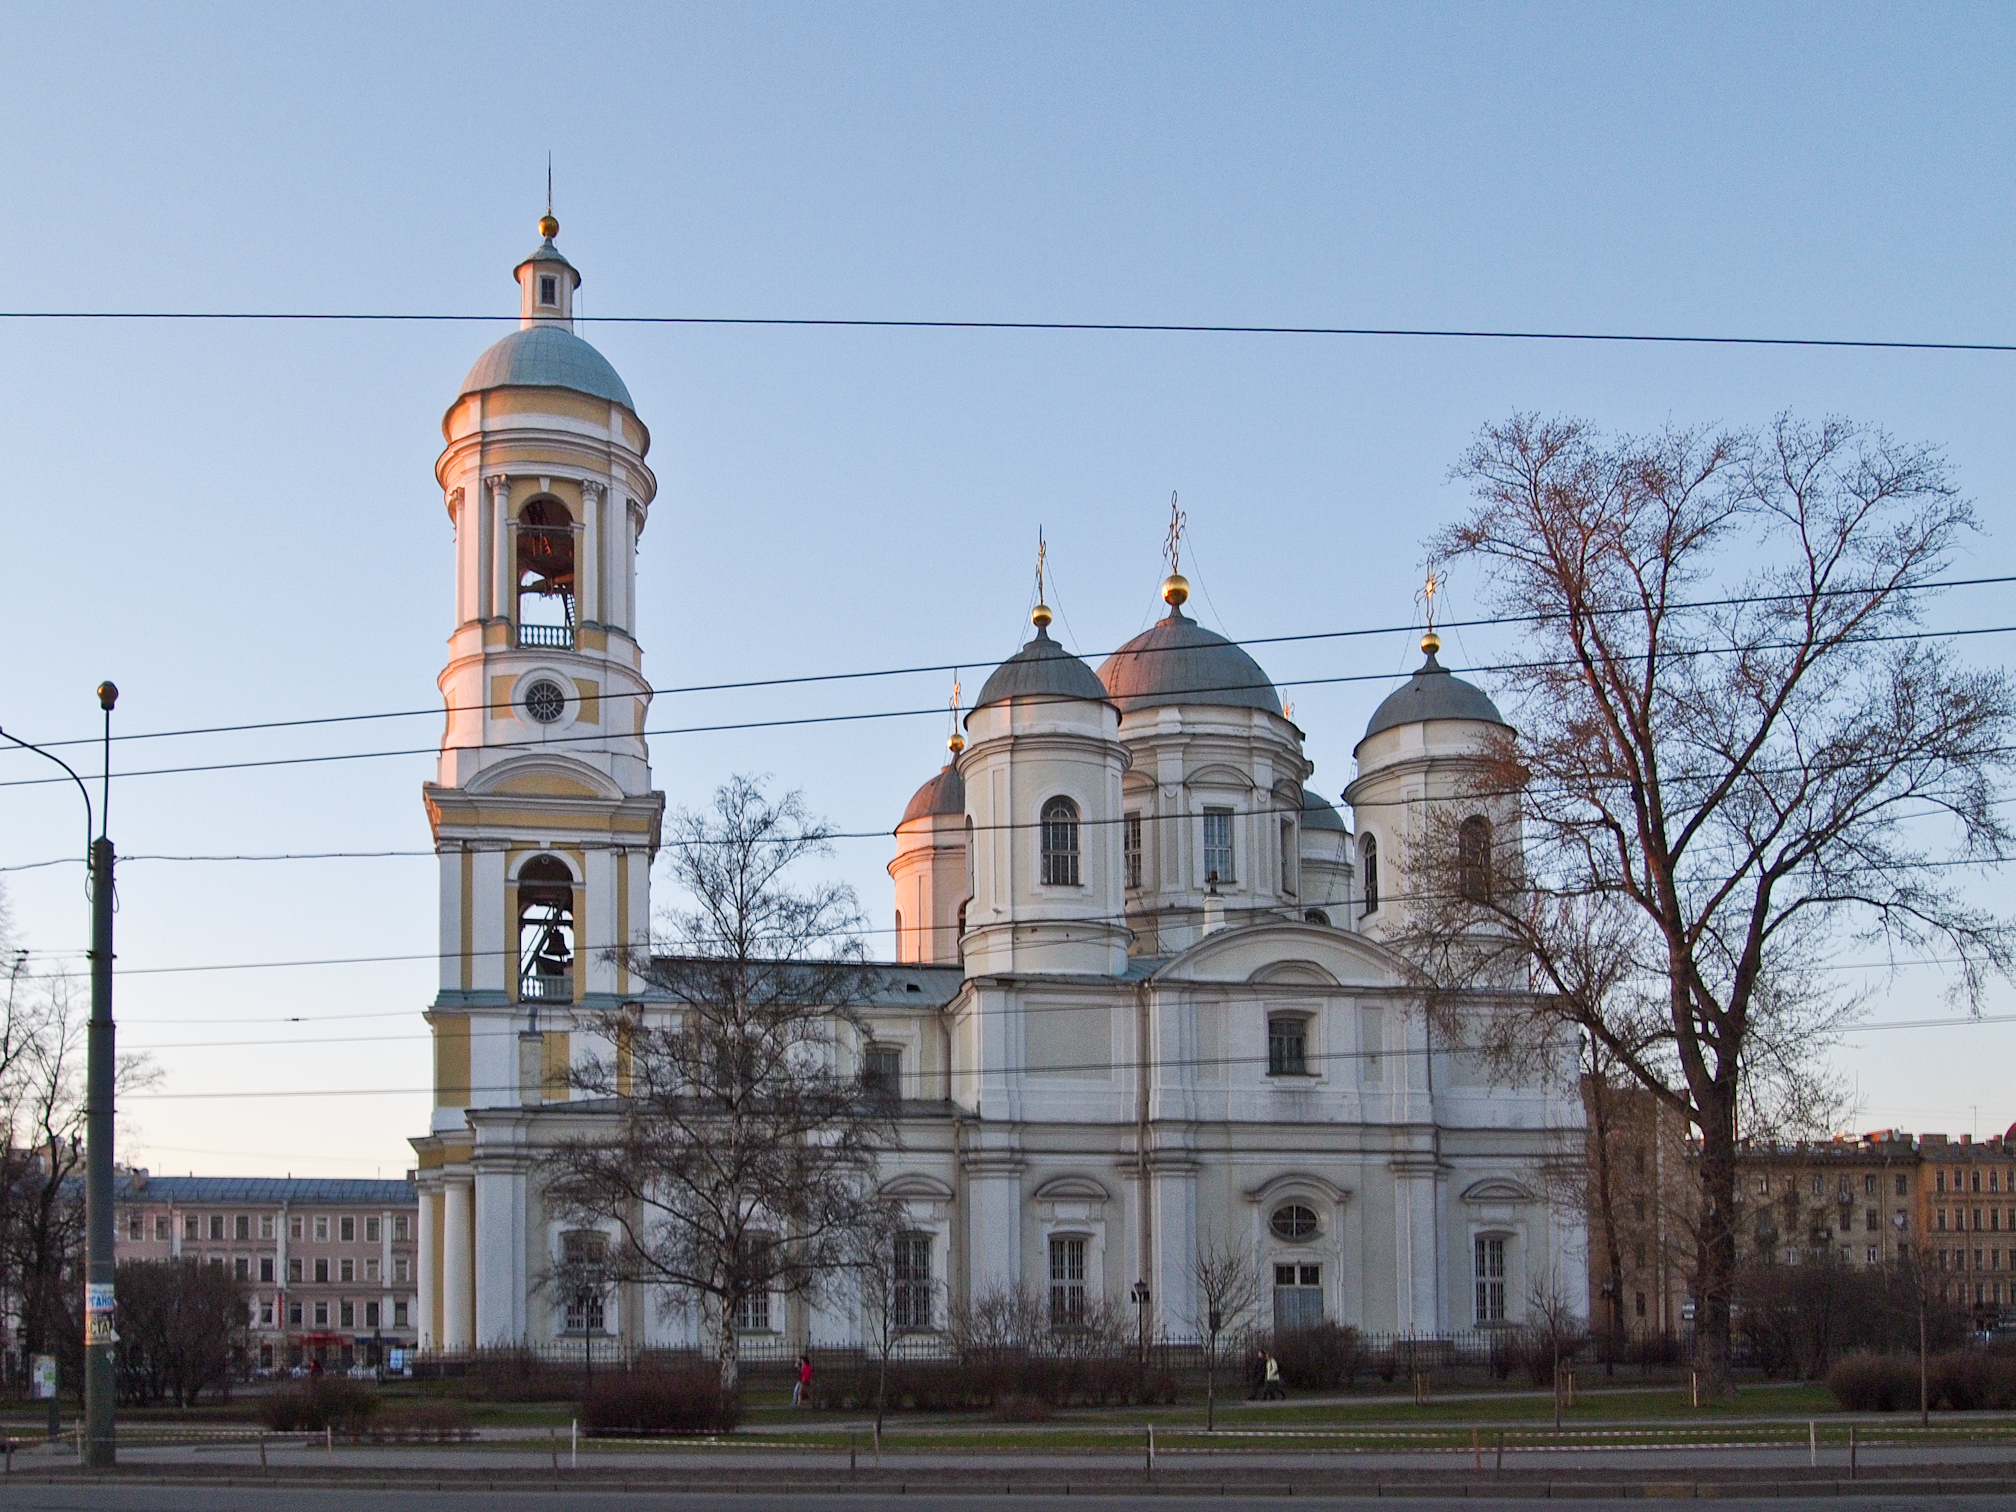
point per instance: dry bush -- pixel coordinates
(644, 1402)
(1327, 1357)
(1874, 1383)
(325, 1402)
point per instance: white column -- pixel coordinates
(504, 566)
(458, 1264)
(500, 1255)
(1415, 1269)
(598, 929)
(588, 562)
(429, 1240)
(994, 1233)
(492, 964)
(1171, 1282)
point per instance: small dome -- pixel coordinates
(545, 356)
(546, 252)
(1432, 693)
(1041, 669)
(943, 794)
(1318, 814)
(1178, 661)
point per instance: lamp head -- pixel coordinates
(108, 695)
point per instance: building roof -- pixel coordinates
(546, 356)
(1433, 693)
(880, 984)
(943, 794)
(1041, 669)
(1177, 661)
(1319, 813)
(262, 1191)
(546, 252)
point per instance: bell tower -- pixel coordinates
(543, 813)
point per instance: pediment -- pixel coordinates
(915, 1186)
(1287, 953)
(1218, 774)
(1297, 1184)
(1071, 1189)
(1498, 1189)
(545, 777)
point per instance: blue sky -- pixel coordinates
(238, 522)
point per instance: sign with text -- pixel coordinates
(42, 1378)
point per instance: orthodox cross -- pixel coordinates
(1172, 548)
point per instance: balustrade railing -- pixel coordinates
(552, 637)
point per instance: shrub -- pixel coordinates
(1021, 1409)
(1874, 1383)
(645, 1401)
(330, 1402)
(1327, 1357)
(1968, 1380)
(422, 1422)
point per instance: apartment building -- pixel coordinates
(1852, 1199)
(330, 1265)
(1967, 1214)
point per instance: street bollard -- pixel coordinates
(329, 1439)
(1151, 1451)
(262, 1449)
(1812, 1443)
(1501, 1451)
(553, 1448)
(851, 1463)
(574, 1444)
(1854, 1437)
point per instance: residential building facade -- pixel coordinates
(331, 1266)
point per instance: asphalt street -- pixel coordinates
(373, 1499)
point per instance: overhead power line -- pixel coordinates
(1171, 328)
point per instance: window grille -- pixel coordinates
(882, 1070)
(1298, 1297)
(1473, 844)
(1060, 843)
(1371, 869)
(1287, 1045)
(1067, 1281)
(1130, 848)
(1490, 1273)
(913, 1281)
(1218, 846)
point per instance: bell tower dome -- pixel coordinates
(543, 811)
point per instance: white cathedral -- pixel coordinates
(1140, 1005)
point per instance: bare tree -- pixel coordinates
(1738, 751)
(736, 1159)
(1227, 1288)
(892, 1289)
(183, 1330)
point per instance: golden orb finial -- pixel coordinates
(549, 225)
(955, 743)
(1040, 616)
(1175, 590)
(1431, 643)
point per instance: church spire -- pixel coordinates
(546, 280)
(1175, 587)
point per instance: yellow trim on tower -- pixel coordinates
(556, 1061)
(451, 1061)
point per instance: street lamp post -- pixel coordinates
(100, 1378)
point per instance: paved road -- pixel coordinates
(225, 1499)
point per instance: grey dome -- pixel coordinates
(1042, 669)
(943, 794)
(1433, 693)
(1178, 661)
(545, 356)
(546, 252)
(1318, 814)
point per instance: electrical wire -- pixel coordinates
(1182, 328)
(801, 679)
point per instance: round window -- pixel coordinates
(545, 702)
(1294, 1221)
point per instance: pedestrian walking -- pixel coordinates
(1273, 1390)
(801, 1392)
(1256, 1374)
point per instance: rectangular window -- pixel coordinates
(321, 1230)
(1288, 857)
(293, 1267)
(1218, 846)
(400, 1267)
(242, 1267)
(217, 1261)
(265, 1225)
(912, 1295)
(1940, 1178)
(216, 1225)
(266, 1321)
(549, 289)
(346, 1313)
(1130, 848)
(1942, 1220)
(1872, 1254)
(322, 1268)
(192, 1226)
(265, 1267)
(1819, 1186)
(294, 1314)
(346, 1230)
(1490, 1273)
(348, 1271)
(241, 1226)
(161, 1227)
(371, 1231)
(399, 1313)
(752, 1313)
(1067, 1281)
(1871, 1220)
(1287, 1045)
(399, 1227)
(1900, 1186)
(882, 1070)
(294, 1227)
(1298, 1297)
(1868, 1186)
(1641, 1304)
(370, 1314)
(135, 1226)
(371, 1269)
(321, 1314)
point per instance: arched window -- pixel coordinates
(545, 931)
(1371, 874)
(1315, 916)
(1295, 1221)
(1060, 843)
(545, 574)
(1473, 857)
